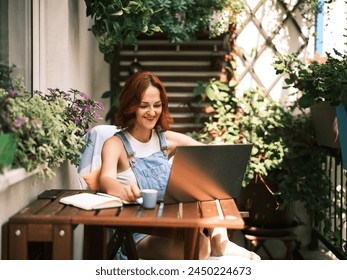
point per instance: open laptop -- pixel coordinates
(206, 172)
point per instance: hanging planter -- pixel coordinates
(325, 124)
(322, 81)
(342, 126)
(8, 147)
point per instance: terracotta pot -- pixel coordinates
(263, 208)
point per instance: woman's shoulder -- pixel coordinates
(114, 141)
(113, 147)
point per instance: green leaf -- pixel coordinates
(119, 13)
(144, 29)
(210, 92)
(306, 101)
(108, 57)
(107, 94)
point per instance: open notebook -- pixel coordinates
(90, 201)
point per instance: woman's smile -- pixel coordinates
(150, 109)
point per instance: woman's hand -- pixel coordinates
(130, 193)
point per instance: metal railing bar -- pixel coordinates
(336, 251)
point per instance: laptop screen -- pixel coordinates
(207, 172)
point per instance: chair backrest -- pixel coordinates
(90, 161)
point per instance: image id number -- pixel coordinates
(204, 270)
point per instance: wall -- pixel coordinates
(66, 54)
(333, 34)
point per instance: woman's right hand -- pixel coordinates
(130, 193)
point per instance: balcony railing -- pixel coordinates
(332, 232)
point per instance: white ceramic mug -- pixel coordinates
(148, 198)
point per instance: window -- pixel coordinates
(16, 38)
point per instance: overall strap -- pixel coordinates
(163, 144)
(126, 144)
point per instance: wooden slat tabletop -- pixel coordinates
(223, 213)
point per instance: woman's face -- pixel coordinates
(150, 109)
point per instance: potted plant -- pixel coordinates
(285, 161)
(116, 22)
(49, 127)
(322, 86)
(320, 79)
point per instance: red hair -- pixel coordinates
(131, 96)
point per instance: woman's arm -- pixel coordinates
(175, 139)
(114, 158)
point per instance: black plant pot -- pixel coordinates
(263, 208)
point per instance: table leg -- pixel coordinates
(191, 243)
(18, 242)
(62, 242)
(95, 242)
(4, 241)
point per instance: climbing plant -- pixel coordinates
(122, 21)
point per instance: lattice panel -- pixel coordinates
(267, 29)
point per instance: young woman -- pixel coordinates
(139, 155)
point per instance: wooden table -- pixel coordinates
(48, 220)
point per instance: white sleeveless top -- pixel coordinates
(141, 150)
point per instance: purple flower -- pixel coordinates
(100, 106)
(96, 115)
(86, 108)
(19, 122)
(11, 91)
(80, 108)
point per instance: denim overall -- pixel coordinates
(151, 172)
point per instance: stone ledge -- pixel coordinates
(14, 176)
